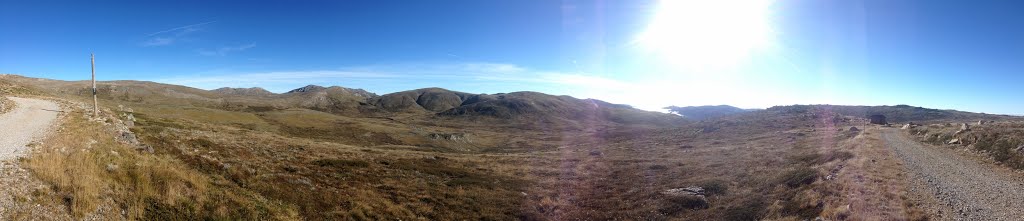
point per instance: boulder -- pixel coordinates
(854, 129)
(687, 191)
(684, 198)
(965, 127)
(906, 126)
(981, 122)
(954, 141)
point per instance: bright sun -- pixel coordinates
(707, 33)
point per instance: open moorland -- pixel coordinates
(168, 152)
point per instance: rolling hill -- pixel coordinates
(705, 112)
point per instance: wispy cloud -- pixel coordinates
(225, 50)
(170, 36)
(158, 41)
(183, 29)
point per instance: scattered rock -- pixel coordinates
(112, 167)
(687, 191)
(595, 153)
(954, 141)
(457, 137)
(129, 137)
(145, 148)
(684, 198)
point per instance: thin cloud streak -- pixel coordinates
(171, 36)
(222, 51)
(186, 28)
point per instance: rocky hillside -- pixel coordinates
(897, 114)
(705, 112)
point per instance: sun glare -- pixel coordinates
(707, 33)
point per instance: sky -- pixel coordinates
(964, 55)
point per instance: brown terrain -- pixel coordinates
(167, 152)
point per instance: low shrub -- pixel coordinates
(798, 177)
(676, 204)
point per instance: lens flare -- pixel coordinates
(707, 33)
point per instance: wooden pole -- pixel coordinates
(95, 104)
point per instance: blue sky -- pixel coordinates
(962, 55)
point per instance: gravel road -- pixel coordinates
(29, 120)
(962, 188)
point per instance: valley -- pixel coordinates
(164, 152)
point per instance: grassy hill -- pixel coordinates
(334, 153)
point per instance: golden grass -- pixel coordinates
(214, 116)
(329, 181)
(307, 164)
(872, 185)
(87, 167)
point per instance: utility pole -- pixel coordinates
(95, 104)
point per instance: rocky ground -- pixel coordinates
(960, 187)
(20, 192)
(22, 196)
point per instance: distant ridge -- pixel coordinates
(897, 113)
(253, 91)
(705, 112)
(307, 88)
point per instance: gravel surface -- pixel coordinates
(28, 121)
(22, 196)
(962, 188)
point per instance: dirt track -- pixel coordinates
(27, 121)
(961, 188)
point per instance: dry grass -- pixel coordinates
(763, 168)
(330, 181)
(870, 185)
(5, 104)
(1001, 142)
(90, 170)
(306, 164)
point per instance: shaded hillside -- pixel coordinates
(705, 112)
(539, 106)
(430, 99)
(254, 91)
